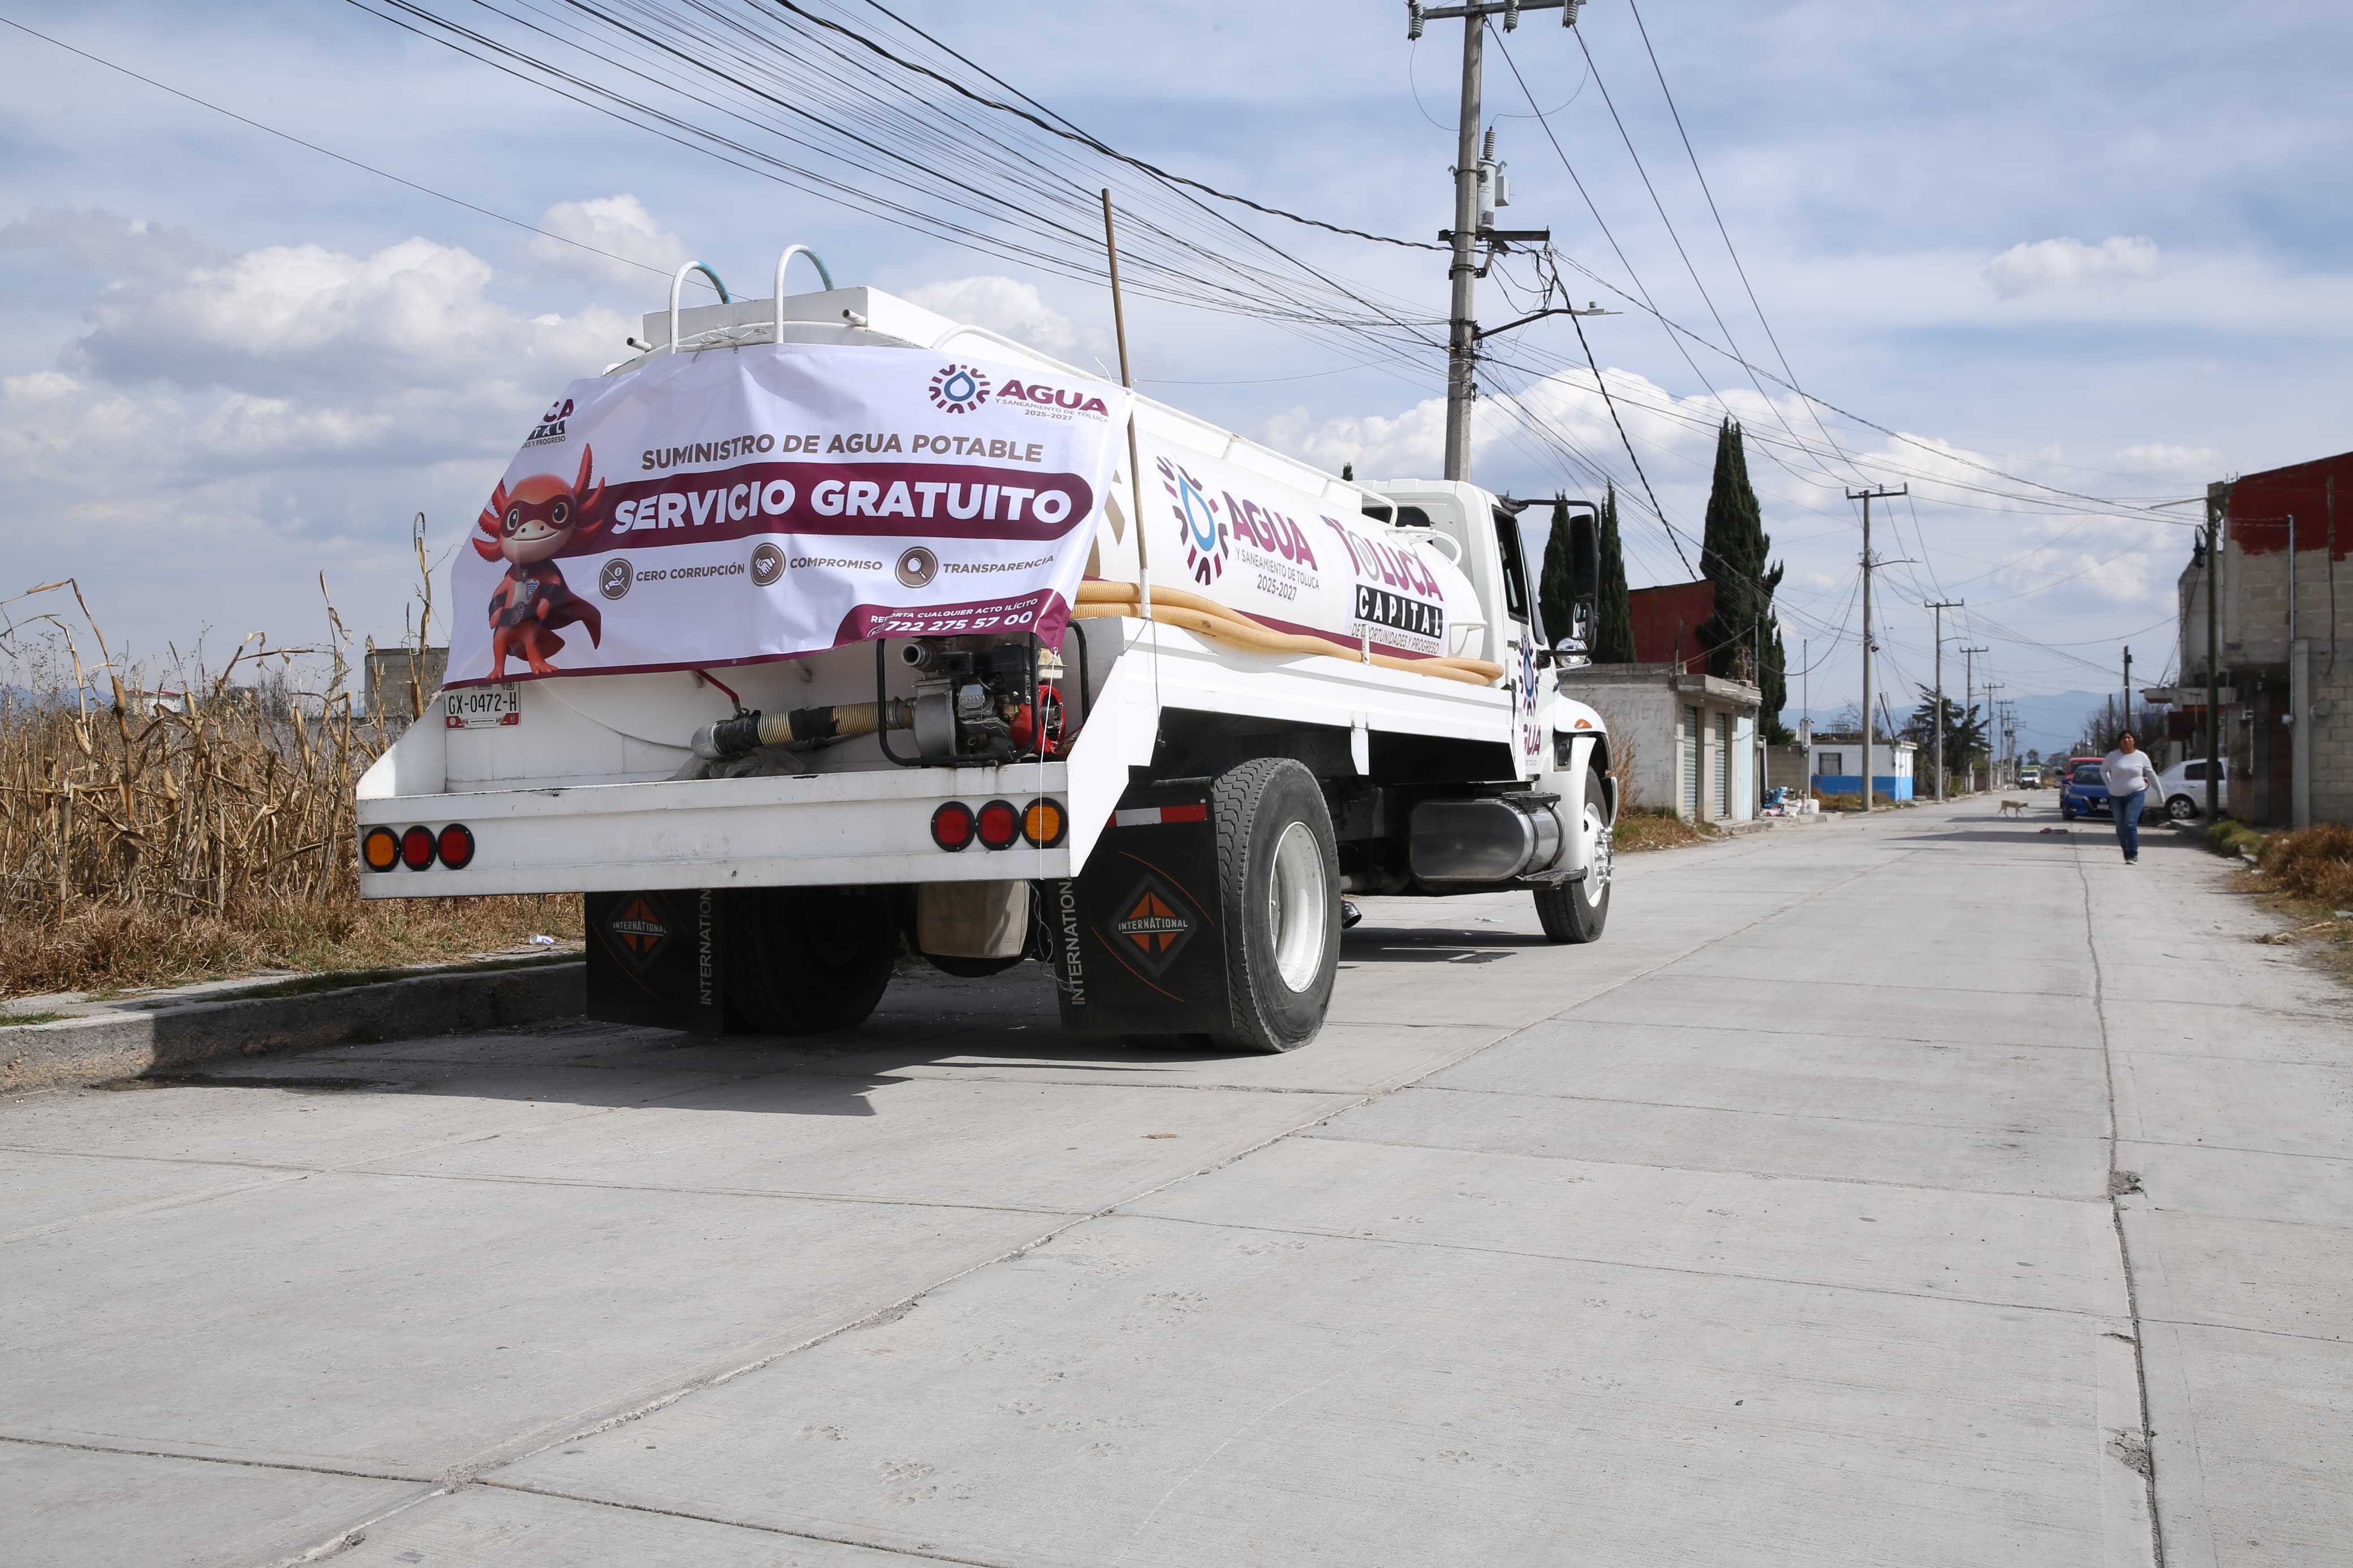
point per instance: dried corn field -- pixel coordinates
(158, 826)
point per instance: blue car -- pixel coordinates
(2084, 794)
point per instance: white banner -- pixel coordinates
(767, 502)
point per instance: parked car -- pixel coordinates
(2182, 786)
(2084, 794)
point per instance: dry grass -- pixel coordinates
(1658, 829)
(204, 830)
(2316, 865)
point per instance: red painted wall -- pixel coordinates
(2319, 494)
(1665, 617)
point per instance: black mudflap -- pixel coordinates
(653, 959)
(1137, 944)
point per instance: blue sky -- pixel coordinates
(2098, 247)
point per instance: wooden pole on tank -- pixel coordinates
(1127, 380)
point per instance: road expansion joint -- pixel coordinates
(1707, 1170)
(1735, 1110)
(2131, 1449)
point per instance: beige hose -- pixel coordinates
(1223, 623)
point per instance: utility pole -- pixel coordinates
(1968, 670)
(1476, 192)
(1940, 606)
(1993, 752)
(2125, 723)
(1866, 497)
(2217, 499)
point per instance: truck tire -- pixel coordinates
(807, 960)
(1576, 911)
(1278, 892)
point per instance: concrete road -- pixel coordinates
(1789, 1225)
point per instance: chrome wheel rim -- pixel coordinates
(1597, 853)
(1298, 906)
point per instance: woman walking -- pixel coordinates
(2130, 777)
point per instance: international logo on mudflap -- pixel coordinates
(1207, 541)
(959, 389)
(635, 931)
(917, 567)
(1154, 926)
(767, 566)
(614, 577)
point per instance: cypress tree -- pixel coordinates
(1557, 584)
(1734, 552)
(1613, 631)
(1612, 637)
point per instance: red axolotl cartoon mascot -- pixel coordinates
(527, 528)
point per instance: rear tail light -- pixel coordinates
(456, 845)
(416, 848)
(1043, 822)
(379, 848)
(952, 826)
(998, 824)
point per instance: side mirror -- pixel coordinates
(1569, 654)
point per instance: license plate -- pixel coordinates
(482, 707)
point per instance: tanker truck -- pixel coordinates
(826, 631)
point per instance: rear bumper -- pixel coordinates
(814, 830)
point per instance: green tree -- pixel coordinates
(1612, 636)
(1734, 552)
(1965, 734)
(1613, 620)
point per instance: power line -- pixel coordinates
(338, 157)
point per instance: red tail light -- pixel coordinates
(999, 823)
(952, 826)
(456, 845)
(416, 848)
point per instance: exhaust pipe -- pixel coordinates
(802, 726)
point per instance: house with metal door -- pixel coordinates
(1684, 743)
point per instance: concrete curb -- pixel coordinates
(73, 1051)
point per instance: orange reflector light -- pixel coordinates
(952, 826)
(1042, 823)
(379, 848)
(416, 848)
(456, 845)
(998, 825)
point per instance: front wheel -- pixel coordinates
(1576, 911)
(2181, 808)
(1278, 892)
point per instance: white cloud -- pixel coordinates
(1016, 309)
(2189, 464)
(619, 225)
(104, 242)
(2046, 264)
(230, 426)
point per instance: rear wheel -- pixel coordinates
(808, 961)
(1279, 892)
(1576, 911)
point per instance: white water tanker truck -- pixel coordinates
(826, 630)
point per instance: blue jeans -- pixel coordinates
(2125, 809)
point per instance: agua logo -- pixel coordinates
(1207, 541)
(1037, 395)
(959, 389)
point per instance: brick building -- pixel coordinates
(2285, 629)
